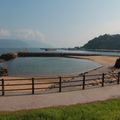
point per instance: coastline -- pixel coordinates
(106, 62)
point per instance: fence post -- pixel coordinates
(118, 80)
(60, 84)
(3, 89)
(83, 87)
(103, 79)
(33, 87)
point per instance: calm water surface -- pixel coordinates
(42, 66)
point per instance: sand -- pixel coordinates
(103, 60)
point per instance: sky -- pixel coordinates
(60, 23)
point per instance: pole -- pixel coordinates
(103, 78)
(3, 89)
(118, 81)
(33, 87)
(60, 84)
(83, 82)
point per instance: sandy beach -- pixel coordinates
(103, 60)
(107, 62)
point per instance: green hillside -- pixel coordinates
(110, 42)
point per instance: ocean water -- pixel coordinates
(43, 66)
(7, 50)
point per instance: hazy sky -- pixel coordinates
(61, 23)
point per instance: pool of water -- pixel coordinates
(42, 66)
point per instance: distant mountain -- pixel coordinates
(10, 43)
(106, 41)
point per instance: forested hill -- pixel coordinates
(110, 42)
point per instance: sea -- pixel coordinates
(49, 66)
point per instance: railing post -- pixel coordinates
(103, 79)
(33, 87)
(60, 84)
(3, 89)
(83, 87)
(118, 80)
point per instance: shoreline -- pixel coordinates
(103, 60)
(105, 63)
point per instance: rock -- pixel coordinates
(8, 56)
(117, 63)
(3, 71)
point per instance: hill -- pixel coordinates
(106, 41)
(12, 43)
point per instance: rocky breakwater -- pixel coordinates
(3, 58)
(8, 56)
(117, 63)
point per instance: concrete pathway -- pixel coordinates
(12, 103)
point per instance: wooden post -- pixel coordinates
(33, 87)
(103, 78)
(118, 80)
(3, 89)
(83, 82)
(60, 84)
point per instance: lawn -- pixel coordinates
(107, 110)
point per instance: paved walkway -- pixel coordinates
(12, 103)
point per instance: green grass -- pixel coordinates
(107, 110)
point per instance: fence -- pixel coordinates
(56, 84)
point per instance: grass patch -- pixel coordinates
(107, 110)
